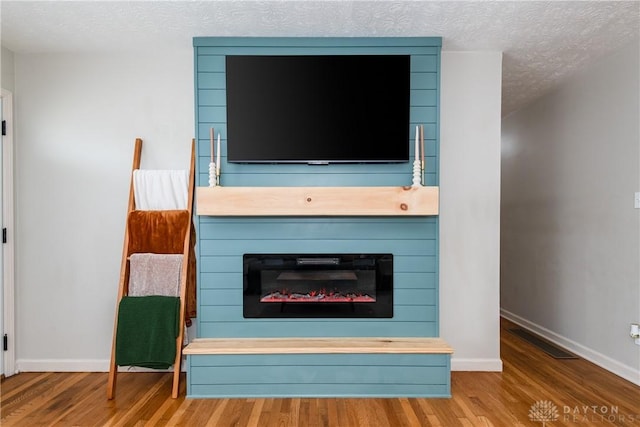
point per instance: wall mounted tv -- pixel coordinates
(318, 109)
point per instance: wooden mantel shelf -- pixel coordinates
(317, 201)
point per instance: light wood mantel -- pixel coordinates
(317, 201)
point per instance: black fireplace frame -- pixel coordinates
(380, 265)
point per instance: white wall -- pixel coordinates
(571, 235)
(470, 208)
(79, 117)
(7, 73)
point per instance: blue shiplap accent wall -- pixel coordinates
(344, 375)
(222, 241)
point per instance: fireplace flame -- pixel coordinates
(316, 296)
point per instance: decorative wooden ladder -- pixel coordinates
(123, 287)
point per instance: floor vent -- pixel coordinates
(549, 348)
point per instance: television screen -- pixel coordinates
(318, 109)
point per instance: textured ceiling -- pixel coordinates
(542, 41)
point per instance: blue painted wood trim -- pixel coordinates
(318, 41)
(417, 265)
(318, 391)
(307, 375)
(436, 182)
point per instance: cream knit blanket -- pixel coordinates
(155, 274)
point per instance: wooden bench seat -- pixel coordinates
(394, 345)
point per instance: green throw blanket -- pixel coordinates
(147, 331)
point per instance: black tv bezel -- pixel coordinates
(404, 158)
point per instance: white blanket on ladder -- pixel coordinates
(159, 190)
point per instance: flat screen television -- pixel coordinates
(318, 109)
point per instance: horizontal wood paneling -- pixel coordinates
(211, 63)
(335, 374)
(223, 241)
(331, 220)
(312, 360)
(233, 313)
(213, 97)
(211, 81)
(432, 44)
(320, 180)
(334, 328)
(318, 390)
(225, 246)
(290, 229)
(298, 169)
(315, 50)
(424, 98)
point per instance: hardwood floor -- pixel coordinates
(582, 394)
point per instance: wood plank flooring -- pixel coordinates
(582, 394)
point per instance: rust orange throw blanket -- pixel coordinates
(162, 232)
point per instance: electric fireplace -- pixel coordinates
(318, 285)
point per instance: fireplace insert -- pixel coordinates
(318, 285)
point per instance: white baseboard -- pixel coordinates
(76, 365)
(480, 365)
(627, 372)
(62, 365)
